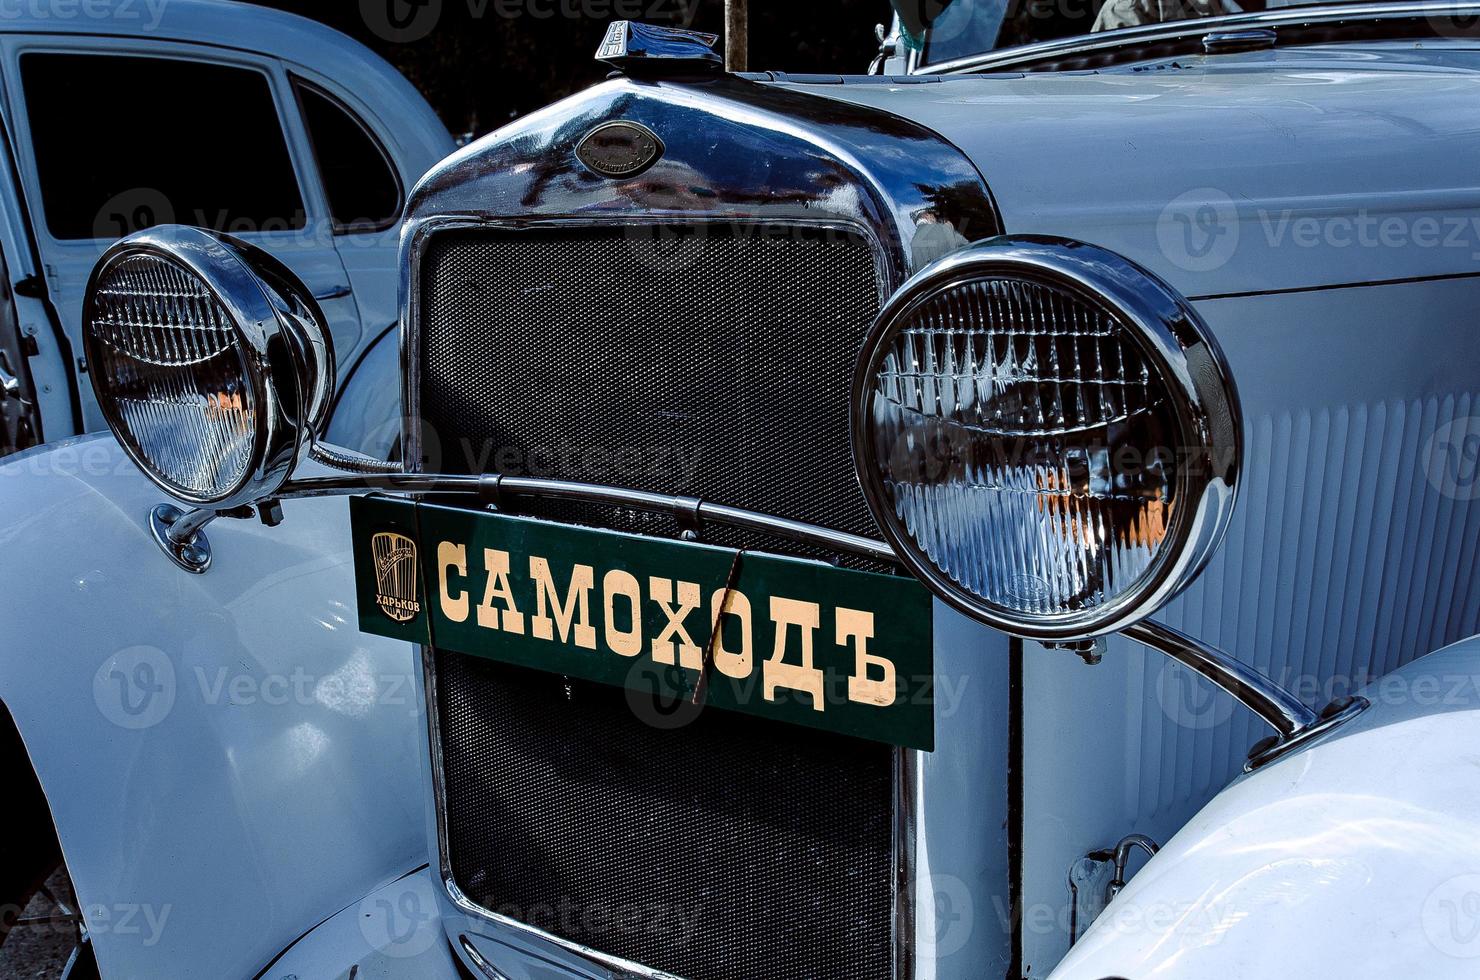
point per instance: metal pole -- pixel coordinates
(737, 34)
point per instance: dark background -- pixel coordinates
(483, 62)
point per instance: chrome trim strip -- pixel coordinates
(595, 958)
(1187, 30)
(908, 802)
(476, 958)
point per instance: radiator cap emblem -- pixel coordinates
(646, 49)
(619, 150)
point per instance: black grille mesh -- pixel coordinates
(732, 848)
(708, 362)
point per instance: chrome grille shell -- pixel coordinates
(738, 152)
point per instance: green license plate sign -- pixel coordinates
(797, 641)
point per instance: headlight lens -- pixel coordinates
(210, 361)
(1034, 440)
(165, 355)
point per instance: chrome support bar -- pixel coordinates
(181, 533)
(1280, 709)
(184, 529)
(1292, 721)
(682, 509)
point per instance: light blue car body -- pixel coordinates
(229, 751)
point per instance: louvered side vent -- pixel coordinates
(1337, 521)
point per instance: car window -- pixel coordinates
(364, 193)
(178, 141)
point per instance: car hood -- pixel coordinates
(1248, 173)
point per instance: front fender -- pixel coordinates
(367, 414)
(1357, 857)
(227, 759)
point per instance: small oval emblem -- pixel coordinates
(619, 149)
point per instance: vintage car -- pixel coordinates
(340, 137)
(841, 527)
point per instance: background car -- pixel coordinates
(122, 115)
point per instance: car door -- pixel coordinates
(363, 188)
(190, 133)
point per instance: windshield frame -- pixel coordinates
(1123, 45)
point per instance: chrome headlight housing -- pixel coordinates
(210, 361)
(1048, 436)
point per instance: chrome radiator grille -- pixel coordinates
(712, 362)
(704, 362)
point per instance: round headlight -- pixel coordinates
(209, 361)
(1047, 435)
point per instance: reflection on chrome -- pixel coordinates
(1013, 422)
